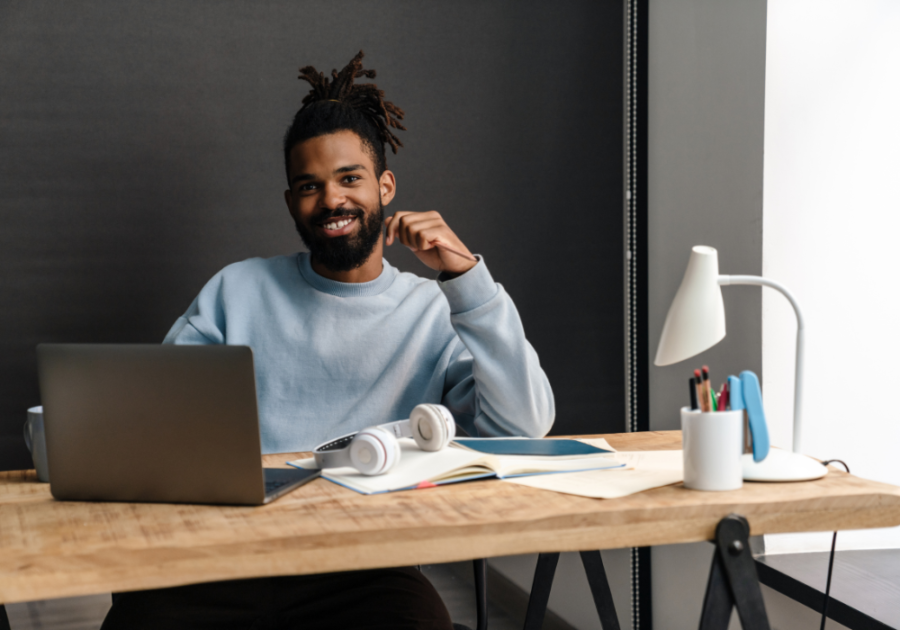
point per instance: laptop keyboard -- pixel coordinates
(273, 484)
(278, 480)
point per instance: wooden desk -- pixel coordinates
(54, 549)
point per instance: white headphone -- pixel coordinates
(375, 450)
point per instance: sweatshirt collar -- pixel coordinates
(346, 289)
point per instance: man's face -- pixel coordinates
(337, 201)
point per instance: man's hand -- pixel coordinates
(429, 237)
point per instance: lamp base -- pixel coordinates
(782, 466)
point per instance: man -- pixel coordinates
(342, 341)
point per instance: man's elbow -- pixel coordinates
(542, 418)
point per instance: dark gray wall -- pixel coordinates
(707, 67)
(139, 153)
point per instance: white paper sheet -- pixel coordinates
(643, 470)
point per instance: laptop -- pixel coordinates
(156, 423)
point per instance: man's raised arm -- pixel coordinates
(494, 384)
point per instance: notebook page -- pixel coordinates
(415, 466)
(509, 465)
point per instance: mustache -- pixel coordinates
(329, 215)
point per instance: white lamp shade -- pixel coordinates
(696, 319)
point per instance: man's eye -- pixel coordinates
(306, 187)
(351, 178)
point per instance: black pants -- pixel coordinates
(380, 599)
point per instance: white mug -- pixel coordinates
(36, 443)
(713, 443)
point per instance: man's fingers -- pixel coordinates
(403, 225)
(424, 231)
(413, 232)
(392, 223)
(429, 236)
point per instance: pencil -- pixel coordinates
(704, 401)
(707, 391)
(693, 384)
(453, 251)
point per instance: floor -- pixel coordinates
(87, 613)
(71, 613)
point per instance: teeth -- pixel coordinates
(336, 225)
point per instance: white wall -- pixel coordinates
(831, 223)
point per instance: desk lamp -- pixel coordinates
(696, 322)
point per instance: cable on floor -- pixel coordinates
(831, 557)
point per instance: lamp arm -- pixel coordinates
(798, 368)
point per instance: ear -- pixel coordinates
(387, 187)
(287, 200)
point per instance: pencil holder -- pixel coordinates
(713, 443)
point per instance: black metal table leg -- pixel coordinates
(543, 583)
(733, 580)
(481, 599)
(717, 603)
(4, 620)
(540, 590)
(596, 575)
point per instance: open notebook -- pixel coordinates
(422, 469)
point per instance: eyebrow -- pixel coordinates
(344, 169)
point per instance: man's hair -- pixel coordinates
(337, 104)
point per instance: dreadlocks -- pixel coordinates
(337, 104)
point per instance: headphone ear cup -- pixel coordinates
(374, 451)
(450, 422)
(432, 426)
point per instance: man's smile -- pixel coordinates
(338, 226)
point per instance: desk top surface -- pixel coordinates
(54, 548)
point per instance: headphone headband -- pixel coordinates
(431, 425)
(334, 454)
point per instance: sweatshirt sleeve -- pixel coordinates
(494, 384)
(204, 321)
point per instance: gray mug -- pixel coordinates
(36, 443)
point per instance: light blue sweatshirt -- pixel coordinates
(333, 357)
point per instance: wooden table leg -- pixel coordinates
(733, 580)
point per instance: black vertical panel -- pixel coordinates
(140, 153)
(637, 265)
(642, 331)
(644, 598)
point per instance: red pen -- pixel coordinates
(724, 397)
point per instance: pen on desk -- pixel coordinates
(453, 251)
(707, 390)
(693, 383)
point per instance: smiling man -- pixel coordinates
(342, 341)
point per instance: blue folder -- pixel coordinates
(529, 446)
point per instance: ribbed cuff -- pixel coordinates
(470, 290)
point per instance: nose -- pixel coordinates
(333, 196)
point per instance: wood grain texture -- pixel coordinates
(53, 548)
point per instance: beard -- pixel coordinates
(343, 253)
